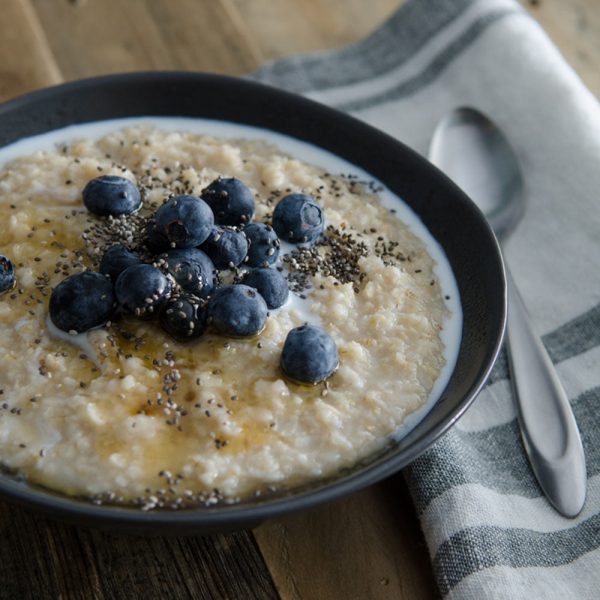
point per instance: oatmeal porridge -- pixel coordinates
(126, 413)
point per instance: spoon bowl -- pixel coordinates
(467, 145)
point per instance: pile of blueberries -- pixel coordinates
(189, 240)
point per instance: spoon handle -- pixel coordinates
(550, 434)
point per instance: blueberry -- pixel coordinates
(298, 218)
(82, 301)
(7, 274)
(270, 284)
(116, 259)
(192, 270)
(111, 195)
(186, 221)
(309, 354)
(142, 290)
(237, 310)
(231, 201)
(263, 245)
(155, 241)
(184, 317)
(226, 247)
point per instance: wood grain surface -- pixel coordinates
(368, 545)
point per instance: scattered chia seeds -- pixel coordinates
(336, 255)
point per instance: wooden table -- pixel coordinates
(368, 545)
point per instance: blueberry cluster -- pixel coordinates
(175, 276)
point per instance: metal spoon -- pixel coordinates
(473, 152)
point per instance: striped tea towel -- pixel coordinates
(491, 533)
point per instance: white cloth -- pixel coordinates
(490, 532)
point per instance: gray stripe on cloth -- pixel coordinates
(494, 458)
(488, 546)
(575, 337)
(436, 66)
(410, 28)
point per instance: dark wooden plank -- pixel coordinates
(207, 36)
(26, 61)
(40, 558)
(368, 545)
(286, 27)
(92, 38)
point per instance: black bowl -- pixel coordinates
(453, 220)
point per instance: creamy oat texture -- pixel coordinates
(107, 430)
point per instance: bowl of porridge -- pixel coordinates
(221, 302)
